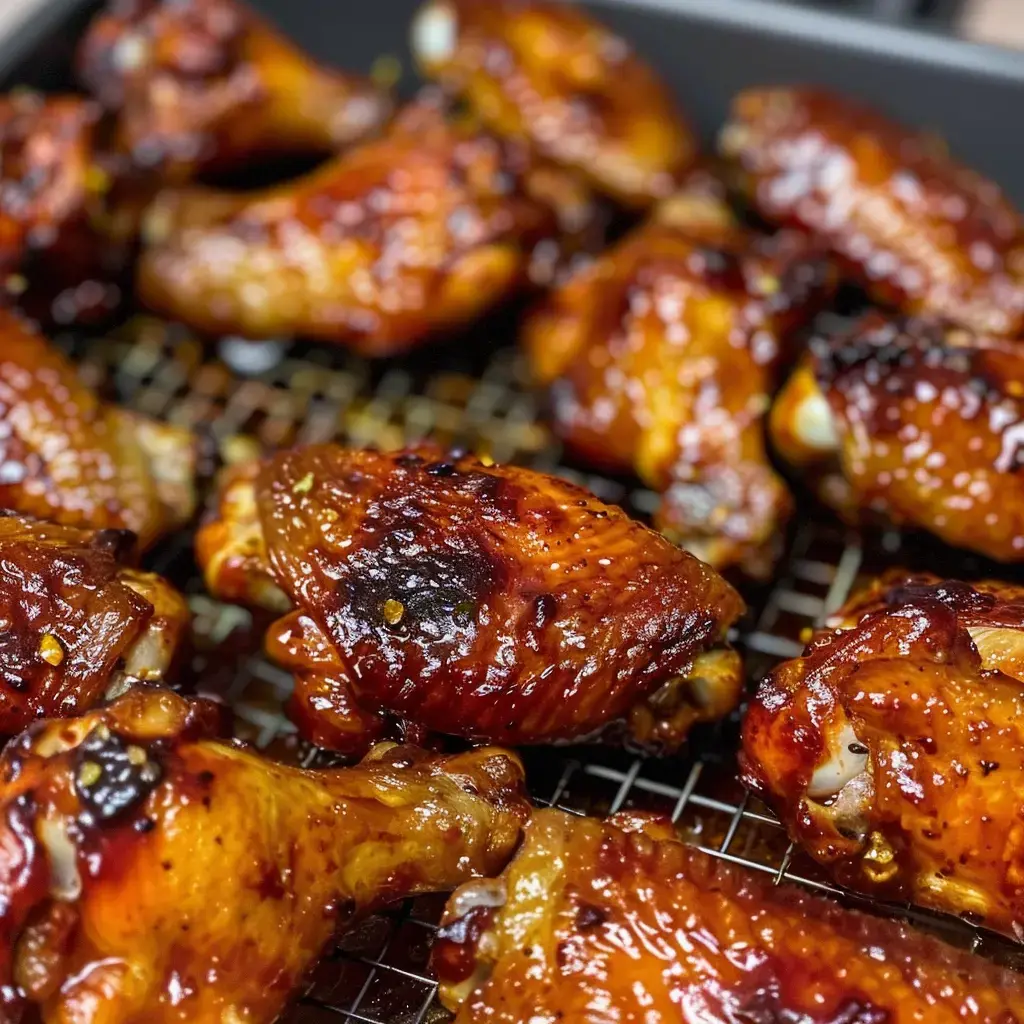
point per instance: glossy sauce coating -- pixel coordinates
(919, 230)
(892, 749)
(910, 422)
(619, 921)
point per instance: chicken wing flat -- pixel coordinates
(918, 230)
(599, 921)
(548, 74)
(378, 249)
(892, 749)
(661, 356)
(150, 872)
(77, 621)
(68, 457)
(914, 423)
(206, 85)
(495, 603)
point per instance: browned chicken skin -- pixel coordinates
(892, 749)
(495, 603)
(77, 622)
(661, 358)
(205, 85)
(152, 874)
(619, 921)
(917, 229)
(549, 74)
(913, 423)
(68, 457)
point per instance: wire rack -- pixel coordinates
(471, 394)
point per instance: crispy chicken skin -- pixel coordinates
(892, 749)
(68, 457)
(399, 238)
(494, 603)
(548, 74)
(918, 230)
(206, 85)
(660, 358)
(914, 423)
(598, 921)
(152, 873)
(77, 621)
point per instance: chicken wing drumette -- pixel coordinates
(206, 85)
(150, 872)
(917, 229)
(911, 422)
(600, 921)
(661, 357)
(68, 457)
(892, 749)
(495, 603)
(548, 74)
(78, 621)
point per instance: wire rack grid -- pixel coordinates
(476, 396)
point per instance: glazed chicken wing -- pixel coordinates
(661, 357)
(489, 602)
(917, 229)
(152, 873)
(914, 423)
(68, 457)
(77, 621)
(619, 921)
(893, 749)
(206, 85)
(548, 74)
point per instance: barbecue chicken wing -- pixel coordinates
(549, 75)
(398, 239)
(150, 872)
(71, 458)
(206, 85)
(77, 622)
(914, 423)
(619, 921)
(489, 602)
(917, 229)
(661, 357)
(894, 748)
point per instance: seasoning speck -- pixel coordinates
(136, 755)
(50, 650)
(89, 774)
(393, 611)
(305, 485)
(16, 284)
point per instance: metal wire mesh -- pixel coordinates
(473, 395)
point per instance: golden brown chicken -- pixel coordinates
(548, 74)
(68, 457)
(619, 921)
(495, 603)
(913, 423)
(206, 85)
(150, 872)
(917, 229)
(402, 237)
(77, 621)
(661, 357)
(892, 749)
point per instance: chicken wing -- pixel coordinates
(548, 74)
(892, 749)
(661, 357)
(917, 229)
(911, 422)
(397, 239)
(68, 457)
(619, 921)
(77, 621)
(150, 872)
(206, 85)
(489, 602)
